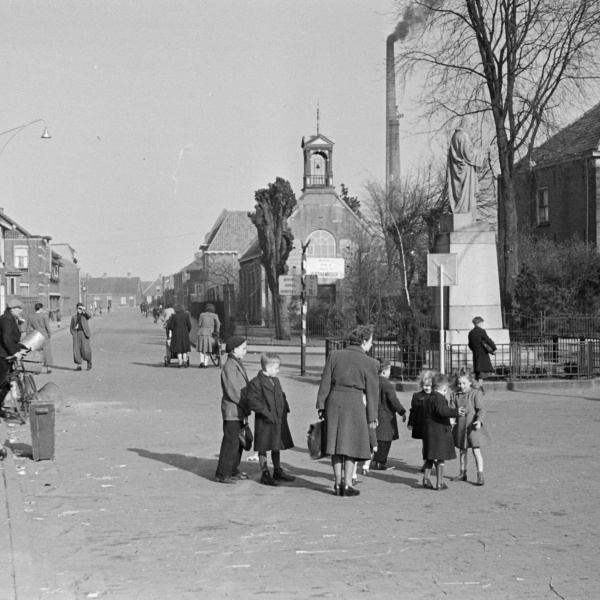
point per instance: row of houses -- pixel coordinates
(226, 270)
(34, 269)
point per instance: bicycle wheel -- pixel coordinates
(30, 386)
(21, 400)
(215, 354)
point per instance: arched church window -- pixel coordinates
(322, 244)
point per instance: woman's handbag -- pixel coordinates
(245, 436)
(316, 440)
(489, 349)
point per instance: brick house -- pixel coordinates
(113, 291)
(64, 280)
(558, 192)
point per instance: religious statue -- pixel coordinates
(463, 161)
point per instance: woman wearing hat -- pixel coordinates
(233, 410)
(208, 324)
(180, 326)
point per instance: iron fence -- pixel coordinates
(540, 327)
(556, 358)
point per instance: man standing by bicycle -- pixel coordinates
(10, 336)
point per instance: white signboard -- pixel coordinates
(435, 262)
(332, 268)
(312, 286)
(290, 285)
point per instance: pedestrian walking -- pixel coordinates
(180, 326)
(387, 423)
(234, 411)
(469, 431)
(58, 317)
(438, 445)
(481, 346)
(349, 375)
(415, 418)
(208, 325)
(271, 430)
(39, 322)
(80, 330)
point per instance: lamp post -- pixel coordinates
(16, 130)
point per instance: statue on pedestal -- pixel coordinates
(463, 161)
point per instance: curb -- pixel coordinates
(25, 583)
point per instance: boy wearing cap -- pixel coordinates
(10, 335)
(233, 410)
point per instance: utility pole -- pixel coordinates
(304, 310)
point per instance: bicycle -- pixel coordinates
(22, 388)
(215, 351)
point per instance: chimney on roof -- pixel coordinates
(128, 275)
(103, 274)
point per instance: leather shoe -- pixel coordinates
(89, 367)
(348, 492)
(441, 486)
(78, 368)
(427, 484)
(266, 479)
(281, 475)
(462, 476)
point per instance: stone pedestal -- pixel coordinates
(478, 289)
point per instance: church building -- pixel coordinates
(320, 217)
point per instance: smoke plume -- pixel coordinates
(414, 14)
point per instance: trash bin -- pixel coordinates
(41, 417)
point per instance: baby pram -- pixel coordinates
(169, 356)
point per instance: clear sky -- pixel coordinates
(164, 112)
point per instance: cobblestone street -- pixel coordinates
(129, 509)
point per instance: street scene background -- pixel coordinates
(129, 508)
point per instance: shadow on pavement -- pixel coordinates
(152, 364)
(205, 468)
(19, 449)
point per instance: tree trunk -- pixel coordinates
(508, 240)
(282, 318)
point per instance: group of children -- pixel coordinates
(442, 420)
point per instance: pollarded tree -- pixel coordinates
(273, 207)
(516, 63)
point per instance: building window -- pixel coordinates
(542, 206)
(322, 244)
(11, 286)
(21, 254)
(24, 289)
(123, 300)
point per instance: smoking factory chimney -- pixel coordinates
(392, 124)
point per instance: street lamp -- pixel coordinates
(17, 130)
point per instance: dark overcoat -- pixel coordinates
(10, 334)
(415, 418)
(437, 430)
(481, 359)
(180, 325)
(268, 402)
(389, 406)
(464, 434)
(349, 394)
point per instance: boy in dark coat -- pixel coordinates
(271, 431)
(387, 424)
(482, 365)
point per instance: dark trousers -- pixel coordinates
(231, 449)
(81, 347)
(383, 449)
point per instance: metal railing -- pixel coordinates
(557, 358)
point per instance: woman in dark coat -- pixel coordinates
(349, 383)
(438, 445)
(271, 430)
(387, 424)
(180, 326)
(482, 365)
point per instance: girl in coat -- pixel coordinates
(208, 324)
(180, 325)
(387, 424)
(271, 431)
(415, 418)
(438, 445)
(469, 431)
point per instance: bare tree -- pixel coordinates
(273, 207)
(512, 62)
(406, 218)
